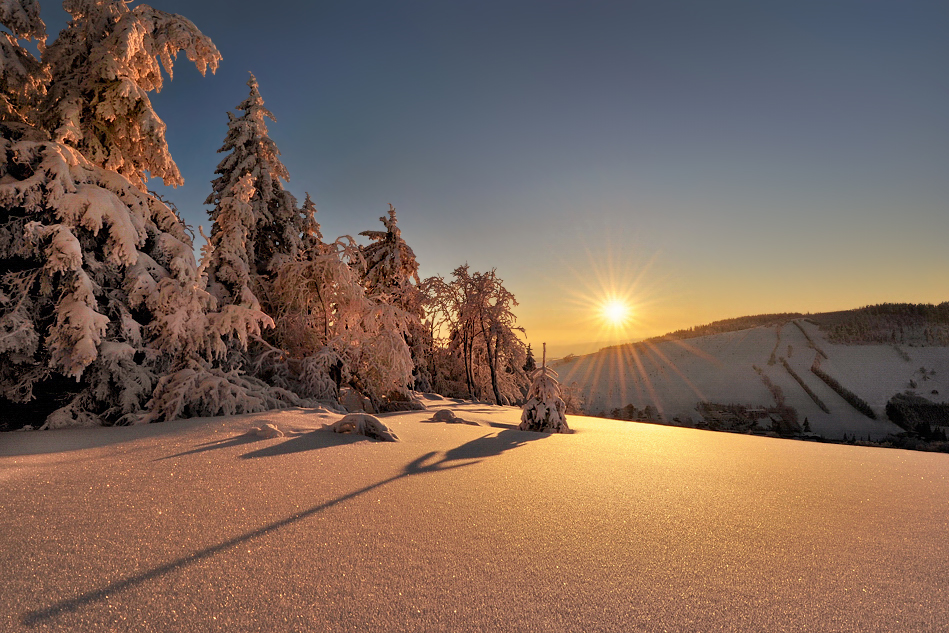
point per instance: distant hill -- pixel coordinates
(837, 370)
(903, 323)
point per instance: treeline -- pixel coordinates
(788, 414)
(906, 323)
(631, 412)
(810, 341)
(853, 399)
(727, 325)
(919, 415)
(807, 390)
(895, 323)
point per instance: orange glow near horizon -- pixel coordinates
(616, 298)
(610, 296)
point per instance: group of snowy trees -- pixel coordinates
(106, 317)
(478, 354)
(98, 281)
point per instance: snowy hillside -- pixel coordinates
(675, 375)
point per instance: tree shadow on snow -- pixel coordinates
(310, 441)
(492, 445)
(215, 445)
(468, 454)
(293, 442)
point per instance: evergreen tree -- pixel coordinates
(98, 282)
(531, 364)
(390, 266)
(312, 238)
(274, 224)
(390, 274)
(545, 410)
(22, 78)
(102, 67)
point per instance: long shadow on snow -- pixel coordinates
(213, 446)
(306, 442)
(295, 443)
(467, 454)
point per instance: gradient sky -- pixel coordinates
(707, 159)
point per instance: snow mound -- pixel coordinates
(444, 415)
(363, 424)
(448, 416)
(267, 431)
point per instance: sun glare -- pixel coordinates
(616, 312)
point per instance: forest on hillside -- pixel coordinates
(904, 323)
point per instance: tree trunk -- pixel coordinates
(492, 362)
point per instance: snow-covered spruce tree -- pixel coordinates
(275, 222)
(23, 78)
(256, 228)
(390, 274)
(390, 265)
(102, 67)
(98, 283)
(544, 410)
(230, 258)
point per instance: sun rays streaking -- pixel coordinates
(609, 298)
(612, 298)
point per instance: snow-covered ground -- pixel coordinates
(674, 376)
(193, 526)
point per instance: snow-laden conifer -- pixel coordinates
(312, 236)
(390, 266)
(390, 274)
(544, 410)
(86, 260)
(530, 364)
(100, 295)
(274, 224)
(102, 67)
(22, 78)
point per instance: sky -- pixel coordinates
(697, 160)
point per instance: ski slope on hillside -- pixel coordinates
(675, 375)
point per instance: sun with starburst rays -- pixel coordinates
(608, 297)
(613, 298)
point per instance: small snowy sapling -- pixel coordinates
(545, 410)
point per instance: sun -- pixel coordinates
(615, 312)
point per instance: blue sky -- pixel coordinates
(705, 159)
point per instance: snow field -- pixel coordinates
(617, 527)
